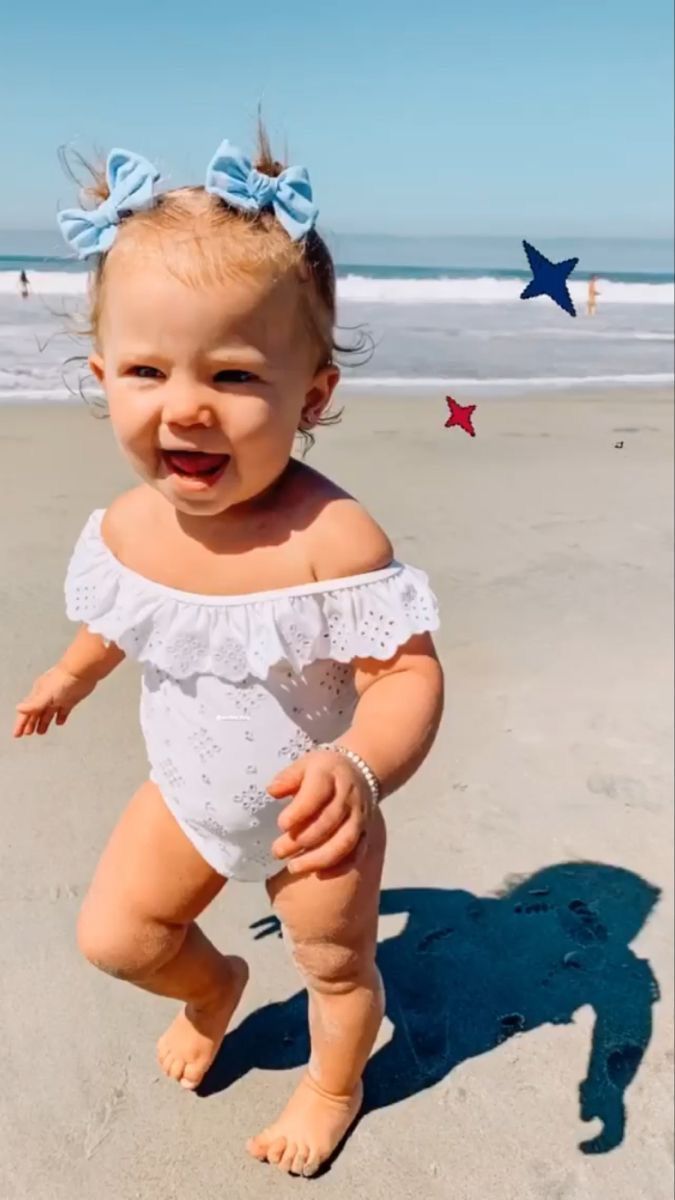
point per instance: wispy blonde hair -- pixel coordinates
(204, 241)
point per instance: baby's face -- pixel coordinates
(205, 387)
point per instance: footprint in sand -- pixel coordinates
(619, 787)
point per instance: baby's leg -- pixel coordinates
(332, 924)
(137, 923)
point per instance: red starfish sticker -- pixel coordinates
(460, 414)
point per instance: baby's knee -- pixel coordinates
(125, 946)
(334, 967)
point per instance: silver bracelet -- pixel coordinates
(369, 776)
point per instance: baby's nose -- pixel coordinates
(187, 406)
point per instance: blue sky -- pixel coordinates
(527, 117)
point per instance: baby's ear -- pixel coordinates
(318, 396)
(96, 366)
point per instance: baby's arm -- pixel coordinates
(398, 712)
(401, 700)
(85, 663)
(394, 726)
(90, 657)
(395, 722)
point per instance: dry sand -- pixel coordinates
(550, 551)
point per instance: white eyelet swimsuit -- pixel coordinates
(236, 687)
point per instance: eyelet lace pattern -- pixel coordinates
(185, 634)
(236, 688)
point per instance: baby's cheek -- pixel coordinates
(134, 430)
(265, 419)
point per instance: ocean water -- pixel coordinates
(437, 313)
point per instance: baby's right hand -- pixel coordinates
(53, 695)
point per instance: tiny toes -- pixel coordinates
(191, 1043)
(256, 1148)
(311, 1167)
(192, 1076)
(288, 1159)
(311, 1113)
(276, 1151)
(300, 1161)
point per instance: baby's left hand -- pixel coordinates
(330, 813)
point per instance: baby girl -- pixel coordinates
(289, 679)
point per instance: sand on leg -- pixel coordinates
(331, 923)
(137, 923)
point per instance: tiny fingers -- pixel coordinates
(327, 822)
(33, 720)
(315, 792)
(31, 723)
(20, 725)
(45, 719)
(339, 846)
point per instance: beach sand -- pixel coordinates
(549, 548)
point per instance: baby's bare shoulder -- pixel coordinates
(128, 516)
(344, 538)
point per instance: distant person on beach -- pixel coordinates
(289, 678)
(593, 293)
(23, 284)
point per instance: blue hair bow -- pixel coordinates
(130, 180)
(231, 176)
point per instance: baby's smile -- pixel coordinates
(197, 467)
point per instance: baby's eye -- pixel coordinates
(233, 376)
(141, 371)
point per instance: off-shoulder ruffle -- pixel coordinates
(233, 637)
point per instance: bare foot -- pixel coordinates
(312, 1124)
(190, 1044)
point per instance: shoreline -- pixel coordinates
(516, 391)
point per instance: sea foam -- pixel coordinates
(368, 290)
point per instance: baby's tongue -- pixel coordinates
(195, 463)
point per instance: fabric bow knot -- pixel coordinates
(130, 180)
(231, 176)
(260, 189)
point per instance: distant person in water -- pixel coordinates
(23, 284)
(593, 293)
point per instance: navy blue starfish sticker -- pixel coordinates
(549, 279)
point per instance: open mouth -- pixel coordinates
(195, 464)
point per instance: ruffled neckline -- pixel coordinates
(233, 637)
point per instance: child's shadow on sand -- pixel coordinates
(466, 973)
